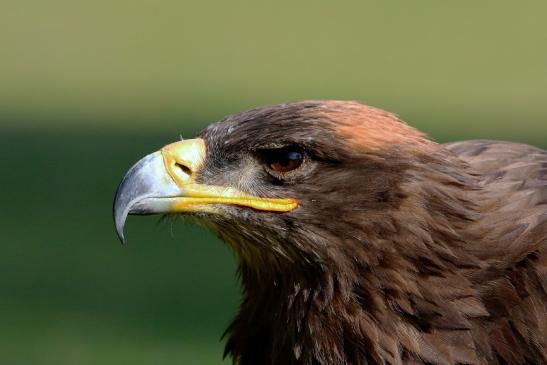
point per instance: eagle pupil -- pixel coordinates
(285, 160)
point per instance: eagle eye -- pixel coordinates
(283, 159)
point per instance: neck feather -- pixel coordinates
(376, 297)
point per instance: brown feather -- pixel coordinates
(402, 251)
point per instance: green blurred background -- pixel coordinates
(87, 88)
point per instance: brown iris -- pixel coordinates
(284, 159)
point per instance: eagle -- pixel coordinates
(359, 240)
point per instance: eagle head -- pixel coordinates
(281, 184)
(359, 240)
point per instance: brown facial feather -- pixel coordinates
(402, 251)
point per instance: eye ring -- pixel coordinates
(283, 160)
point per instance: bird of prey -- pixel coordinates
(359, 240)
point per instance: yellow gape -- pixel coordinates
(184, 159)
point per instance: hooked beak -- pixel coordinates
(164, 182)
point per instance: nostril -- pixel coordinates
(184, 168)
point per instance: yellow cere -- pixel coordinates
(183, 159)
